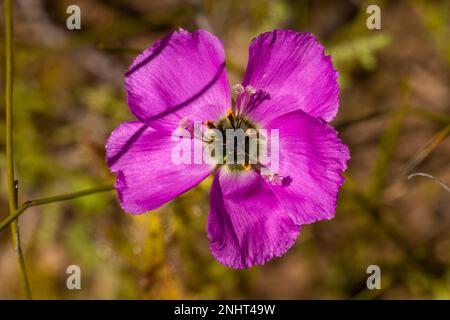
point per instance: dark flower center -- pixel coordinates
(238, 144)
(240, 141)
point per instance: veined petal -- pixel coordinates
(146, 175)
(289, 63)
(247, 223)
(311, 159)
(182, 75)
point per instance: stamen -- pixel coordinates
(274, 178)
(242, 99)
(238, 88)
(230, 113)
(210, 124)
(186, 124)
(247, 166)
(231, 116)
(250, 90)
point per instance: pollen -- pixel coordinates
(186, 124)
(231, 116)
(250, 90)
(274, 179)
(238, 88)
(230, 113)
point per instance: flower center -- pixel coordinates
(238, 138)
(235, 141)
(241, 146)
(240, 142)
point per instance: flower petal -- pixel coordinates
(311, 160)
(182, 75)
(146, 175)
(289, 63)
(247, 223)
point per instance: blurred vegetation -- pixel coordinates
(394, 114)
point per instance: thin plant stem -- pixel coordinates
(37, 202)
(18, 248)
(12, 183)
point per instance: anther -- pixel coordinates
(250, 90)
(186, 124)
(238, 88)
(274, 179)
(231, 116)
(209, 124)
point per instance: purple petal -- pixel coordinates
(289, 63)
(312, 159)
(247, 222)
(181, 76)
(146, 175)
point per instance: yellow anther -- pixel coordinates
(230, 113)
(231, 116)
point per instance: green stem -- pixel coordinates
(37, 202)
(12, 185)
(18, 247)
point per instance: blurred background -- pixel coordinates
(394, 115)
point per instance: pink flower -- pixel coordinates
(289, 85)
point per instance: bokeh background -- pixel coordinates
(394, 115)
